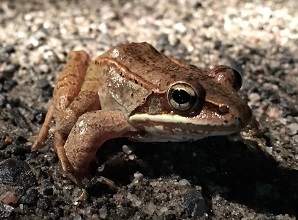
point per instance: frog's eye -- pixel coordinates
(183, 97)
(225, 74)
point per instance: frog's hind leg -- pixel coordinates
(67, 88)
(43, 134)
(66, 168)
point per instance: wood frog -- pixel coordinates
(134, 91)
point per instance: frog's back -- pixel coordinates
(154, 69)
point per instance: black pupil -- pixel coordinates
(181, 96)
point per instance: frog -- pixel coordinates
(136, 92)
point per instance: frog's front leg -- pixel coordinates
(90, 131)
(253, 135)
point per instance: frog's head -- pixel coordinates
(206, 104)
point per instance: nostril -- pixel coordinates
(223, 109)
(241, 122)
(239, 119)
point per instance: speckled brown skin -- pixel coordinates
(93, 101)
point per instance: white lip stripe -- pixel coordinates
(166, 118)
(165, 137)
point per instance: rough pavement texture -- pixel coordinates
(214, 178)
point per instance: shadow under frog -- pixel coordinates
(219, 166)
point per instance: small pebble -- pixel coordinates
(254, 97)
(195, 204)
(9, 198)
(103, 212)
(127, 149)
(30, 198)
(9, 48)
(42, 83)
(10, 69)
(274, 113)
(163, 209)
(6, 211)
(8, 85)
(183, 182)
(151, 207)
(3, 100)
(293, 127)
(14, 172)
(77, 217)
(43, 203)
(295, 138)
(138, 176)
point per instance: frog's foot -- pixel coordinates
(66, 168)
(259, 141)
(68, 171)
(252, 136)
(76, 178)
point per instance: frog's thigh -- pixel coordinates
(86, 100)
(90, 131)
(70, 79)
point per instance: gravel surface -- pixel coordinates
(214, 178)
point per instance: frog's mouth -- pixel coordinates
(179, 128)
(192, 123)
